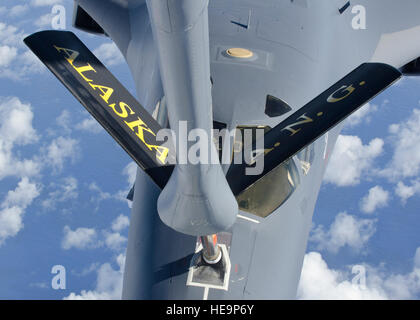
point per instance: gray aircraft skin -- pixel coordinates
(300, 48)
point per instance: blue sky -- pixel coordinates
(63, 183)
(63, 180)
(367, 212)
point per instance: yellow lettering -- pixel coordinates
(290, 128)
(71, 55)
(161, 153)
(123, 106)
(138, 126)
(141, 128)
(80, 70)
(106, 91)
(343, 89)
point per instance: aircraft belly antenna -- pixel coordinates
(197, 199)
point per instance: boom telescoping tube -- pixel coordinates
(197, 199)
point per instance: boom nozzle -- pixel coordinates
(211, 251)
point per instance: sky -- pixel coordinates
(64, 181)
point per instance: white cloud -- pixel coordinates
(16, 122)
(88, 238)
(16, 130)
(10, 222)
(44, 20)
(318, 282)
(29, 64)
(361, 115)
(376, 198)
(114, 240)
(81, 238)
(10, 35)
(108, 283)
(40, 3)
(63, 120)
(67, 190)
(89, 125)
(13, 208)
(109, 54)
(120, 223)
(23, 195)
(346, 230)
(18, 10)
(16, 61)
(405, 162)
(100, 195)
(406, 192)
(61, 149)
(87, 270)
(351, 159)
(7, 55)
(130, 171)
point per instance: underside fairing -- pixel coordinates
(301, 47)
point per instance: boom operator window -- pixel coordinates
(268, 193)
